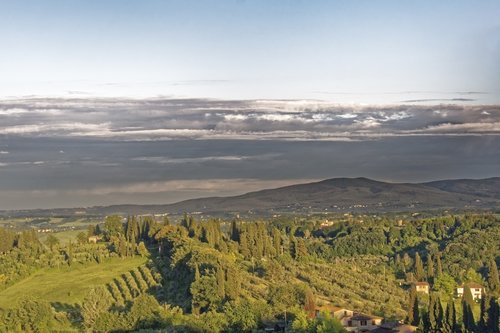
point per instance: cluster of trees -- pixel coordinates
(218, 276)
(26, 239)
(438, 316)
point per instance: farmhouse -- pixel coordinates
(475, 288)
(340, 313)
(361, 322)
(422, 287)
(352, 321)
(94, 239)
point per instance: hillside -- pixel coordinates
(351, 194)
(331, 195)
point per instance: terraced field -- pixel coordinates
(69, 285)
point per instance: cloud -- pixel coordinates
(158, 119)
(434, 100)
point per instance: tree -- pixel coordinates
(483, 317)
(33, 315)
(413, 312)
(419, 268)
(52, 241)
(300, 323)
(493, 279)
(450, 320)
(241, 316)
(445, 282)
(144, 312)
(467, 313)
(235, 232)
(430, 267)
(81, 238)
(493, 316)
(97, 301)
(439, 266)
(221, 282)
(309, 302)
(435, 313)
(142, 250)
(7, 239)
(91, 230)
(233, 283)
(277, 241)
(328, 324)
(204, 294)
(113, 226)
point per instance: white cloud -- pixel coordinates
(198, 119)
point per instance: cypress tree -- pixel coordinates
(430, 268)
(221, 281)
(277, 241)
(309, 302)
(233, 283)
(449, 322)
(439, 313)
(493, 279)
(419, 268)
(483, 319)
(412, 315)
(467, 306)
(468, 298)
(421, 326)
(416, 312)
(244, 248)
(439, 266)
(433, 313)
(301, 250)
(493, 316)
(235, 232)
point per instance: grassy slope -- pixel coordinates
(63, 236)
(67, 285)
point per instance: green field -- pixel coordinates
(67, 285)
(63, 236)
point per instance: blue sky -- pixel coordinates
(343, 51)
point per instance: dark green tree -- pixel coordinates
(419, 268)
(493, 279)
(450, 319)
(430, 268)
(439, 266)
(221, 282)
(493, 324)
(467, 312)
(413, 311)
(483, 317)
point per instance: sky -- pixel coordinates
(105, 102)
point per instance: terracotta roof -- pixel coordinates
(362, 316)
(422, 283)
(471, 285)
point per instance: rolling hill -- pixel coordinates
(331, 195)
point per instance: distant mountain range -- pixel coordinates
(331, 195)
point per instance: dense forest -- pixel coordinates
(246, 276)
